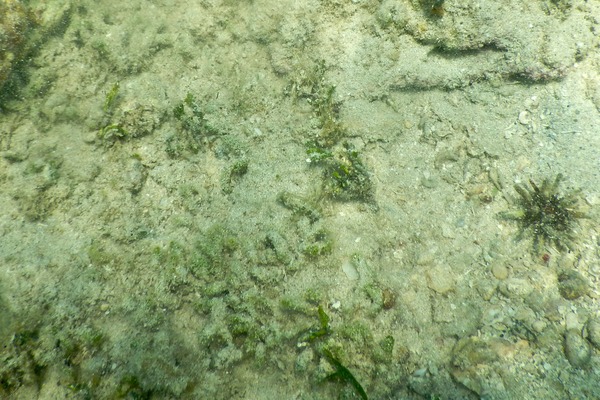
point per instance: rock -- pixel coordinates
(440, 279)
(135, 175)
(500, 271)
(471, 351)
(388, 298)
(572, 285)
(576, 349)
(539, 326)
(15, 23)
(24, 27)
(515, 288)
(473, 362)
(593, 331)
(486, 290)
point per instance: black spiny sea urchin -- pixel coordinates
(549, 215)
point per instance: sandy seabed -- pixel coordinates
(300, 200)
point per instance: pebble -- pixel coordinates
(577, 350)
(388, 299)
(500, 271)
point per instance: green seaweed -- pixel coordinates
(312, 87)
(316, 153)
(299, 206)
(320, 244)
(235, 173)
(195, 126)
(111, 133)
(111, 97)
(342, 373)
(189, 112)
(332, 131)
(346, 178)
(323, 329)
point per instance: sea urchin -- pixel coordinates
(549, 215)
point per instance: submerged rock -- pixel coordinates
(593, 331)
(15, 22)
(572, 285)
(577, 350)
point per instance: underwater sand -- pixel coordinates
(285, 199)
